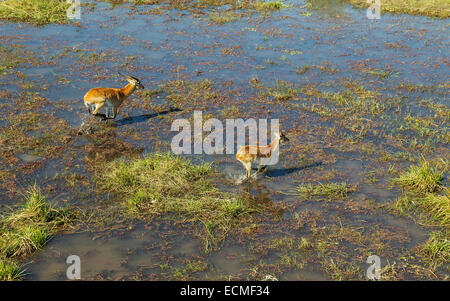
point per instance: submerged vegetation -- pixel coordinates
(37, 12)
(223, 17)
(26, 230)
(329, 191)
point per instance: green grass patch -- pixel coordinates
(223, 17)
(37, 12)
(435, 209)
(430, 8)
(9, 270)
(268, 6)
(283, 91)
(422, 178)
(436, 250)
(326, 191)
(169, 186)
(27, 229)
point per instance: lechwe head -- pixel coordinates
(132, 80)
(282, 137)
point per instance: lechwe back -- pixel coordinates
(113, 98)
(249, 154)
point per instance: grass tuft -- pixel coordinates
(28, 228)
(435, 207)
(436, 250)
(283, 91)
(9, 270)
(422, 178)
(268, 6)
(331, 190)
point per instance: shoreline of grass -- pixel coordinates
(429, 8)
(27, 229)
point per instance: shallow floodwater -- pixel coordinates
(338, 44)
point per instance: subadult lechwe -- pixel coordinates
(249, 154)
(113, 98)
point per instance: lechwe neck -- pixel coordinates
(128, 90)
(275, 142)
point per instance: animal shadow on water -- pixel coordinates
(92, 123)
(144, 117)
(279, 172)
(273, 173)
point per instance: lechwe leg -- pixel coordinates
(248, 167)
(262, 164)
(116, 111)
(88, 107)
(97, 108)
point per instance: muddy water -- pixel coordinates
(334, 40)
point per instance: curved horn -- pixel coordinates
(122, 75)
(129, 76)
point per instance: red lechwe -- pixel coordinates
(253, 153)
(113, 98)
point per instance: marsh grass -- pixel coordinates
(9, 270)
(436, 250)
(223, 17)
(431, 8)
(268, 6)
(422, 178)
(181, 91)
(14, 56)
(169, 186)
(423, 182)
(282, 91)
(27, 229)
(37, 12)
(434, 209)
(340, 270)
(257, 5)
(326, 191)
